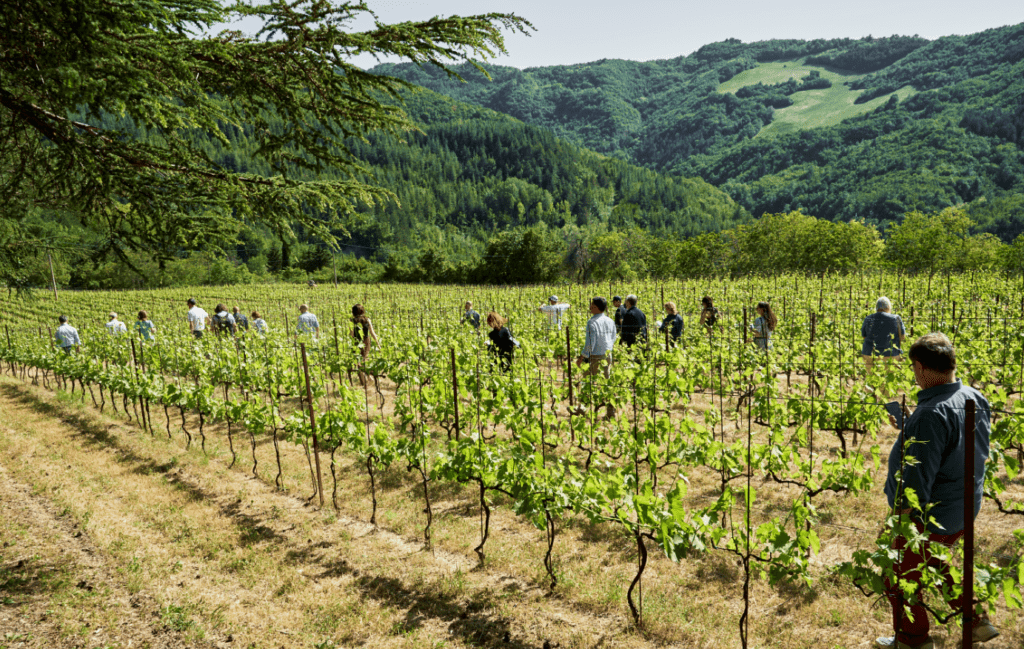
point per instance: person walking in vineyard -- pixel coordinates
(672, 322)
(554, 310)
(308, 323)
(258, 323)
(634, 324)
(597, 346)
(241, 322)
(198, 318)
(114, 326)
(708, 314)
(883, 332)
(67, 336)
(145, 326)
(223, 322)
(502, 344)
(764, 324)
(935, 473)
(470, 316)
(619, 310)
(363, 332)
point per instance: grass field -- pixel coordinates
(811, 108)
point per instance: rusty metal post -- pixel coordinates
(968, 596)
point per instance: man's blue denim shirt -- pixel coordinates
(937, 477)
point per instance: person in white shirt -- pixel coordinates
(197, 319)
(597, 349)
(308, 324)
(67, 336)
(554, 310)
(114, 326)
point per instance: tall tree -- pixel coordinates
(80, 79)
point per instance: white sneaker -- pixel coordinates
(891, 643)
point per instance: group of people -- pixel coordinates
(222, 322)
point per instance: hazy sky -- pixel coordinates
(579, 31)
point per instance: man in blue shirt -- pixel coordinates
(471, 316)
(936, 435)
(597, 348)
(67, 336)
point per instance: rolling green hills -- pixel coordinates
(842, 129)
(811, 108)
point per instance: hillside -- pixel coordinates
(841, 128)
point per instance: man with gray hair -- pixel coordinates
(883, 332)
(928, 458)
(114, 326)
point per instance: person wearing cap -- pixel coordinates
(882, 332)
(67, 336)
(554, 310)
(928, 458)
(619, 310)
(114, 326)
(198, 318)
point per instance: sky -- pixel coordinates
(580, 31)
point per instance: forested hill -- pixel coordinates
(840, 128)
(479, 171)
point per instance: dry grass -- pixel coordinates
(224, 555)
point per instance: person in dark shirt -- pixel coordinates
(619, 310)
(708, 314)
(882, 332)
(240, 320)
(932, 465)
(502, 345)
(672, 322)
(634, 324)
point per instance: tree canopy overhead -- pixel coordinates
(70, 69)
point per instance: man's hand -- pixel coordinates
(580, 360)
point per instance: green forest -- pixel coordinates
(955, 141)
(689, 166)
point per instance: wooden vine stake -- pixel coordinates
(968, 596)
(312, 425)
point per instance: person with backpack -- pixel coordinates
(223, 322)
(708, 314)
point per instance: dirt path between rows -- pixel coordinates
(112, 538)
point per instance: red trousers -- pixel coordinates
(915, 632)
